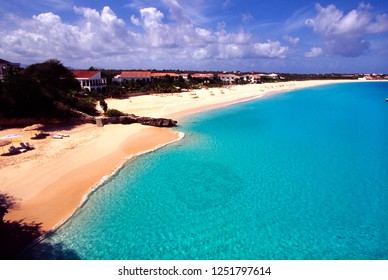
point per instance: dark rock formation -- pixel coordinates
(129, 119)
(159, 122)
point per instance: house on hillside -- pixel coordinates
(228, 78)
(90, 80)
(4, 66)
(144, 76)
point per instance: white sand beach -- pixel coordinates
(51, 181)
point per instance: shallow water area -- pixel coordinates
(299, 175)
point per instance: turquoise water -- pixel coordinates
(299, 175)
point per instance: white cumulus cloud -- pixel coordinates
(104, 38)
(314, 52)
(344, 34)
(135, 20)
(292, 40)
(272, 49)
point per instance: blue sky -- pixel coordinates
(295, 36)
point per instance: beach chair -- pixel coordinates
(39, 136)
(26, 146)
(23, 146)
(13, 150)
(30, 146)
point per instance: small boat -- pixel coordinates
(386, 99)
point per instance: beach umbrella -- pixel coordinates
(4, 142)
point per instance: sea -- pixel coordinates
(301, 175)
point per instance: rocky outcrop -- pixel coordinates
(128, 119)
(159, 122)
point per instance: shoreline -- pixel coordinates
(51, 190)
(105, 179)
(61, 191)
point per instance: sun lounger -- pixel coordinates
(26, 146)
(30, 146)
(13, 150)
(39, 136)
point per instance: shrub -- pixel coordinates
(103, 105)
(86, 105)
(114, 113)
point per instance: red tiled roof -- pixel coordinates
(135, 74)
(228, 75)
(84, 74)
(164, 74)
(202, 75)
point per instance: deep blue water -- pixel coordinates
(299, 175)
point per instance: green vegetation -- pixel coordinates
(49, 89)
(114, 113)
(104, 105)
(45, 89)
(166, 84)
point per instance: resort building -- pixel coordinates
(204, 76)
(251, 78)
(4, 66)
(228, 78)
(185, 76)
(271, 76)
(90, 80)
(163, 75)
(133, 76)
(148, 76)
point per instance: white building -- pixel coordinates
(133, 76)
(90, 80)
(164, 75)
(273, 76)
(228, 78)
(203, 76)
(252, 78)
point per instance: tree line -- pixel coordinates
(41, 90)
(49, 89)
(166, 84)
